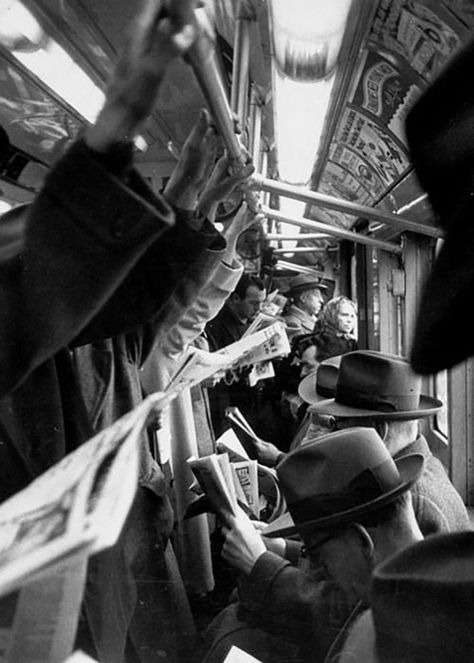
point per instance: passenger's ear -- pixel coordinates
(366, 539)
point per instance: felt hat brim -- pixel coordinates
(409, 468)
(307, 389)
(443, 337)
(427, 407)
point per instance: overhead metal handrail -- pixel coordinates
(332, 230)
(201, 56)
(301, 249)
(301, 269)
(278, 237)
(340, 205)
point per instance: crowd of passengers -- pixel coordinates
(104, 284)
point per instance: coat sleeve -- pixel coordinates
(84, 233)
(284, 601)
(206, 305)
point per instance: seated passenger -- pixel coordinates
(336, 327)
(350, 503)
(318, 385)
(305, 295)
(422, 606)
(381, 391)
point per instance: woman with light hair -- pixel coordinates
(336, 328)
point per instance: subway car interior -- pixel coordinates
(317, 92)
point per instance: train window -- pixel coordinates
(441, 392)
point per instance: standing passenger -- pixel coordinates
(228, 326)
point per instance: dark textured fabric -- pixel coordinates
(91, 269)
(437, 504)
(286, 602)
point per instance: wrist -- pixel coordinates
(113, 126)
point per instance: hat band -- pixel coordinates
(364, 488)
(381, 402)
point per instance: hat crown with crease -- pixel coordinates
(341, 475)
(303, 282)
(375, 384)
(321, 383)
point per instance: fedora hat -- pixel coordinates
(302, 282)
(440, 135)
(321, 383)
(338, 478)
(378, 385)
(422, 601)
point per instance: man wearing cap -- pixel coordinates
(348, 500)
(381, 391)
(305, 292)
(422, 606)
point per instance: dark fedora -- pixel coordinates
(338, 478)
(321, 383)
(378, 385)
(440, 134)
(302, 282)
(422, 601)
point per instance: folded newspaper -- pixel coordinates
(229, 478)
(48, 531)
(267, 343)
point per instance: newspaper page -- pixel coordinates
(39, 622)
(80, 657)
(237, 655)
(260, 321)
(229, 443)
(198, 365)
(81, 501)
(246, 472)
(48, 531)
(220, 492)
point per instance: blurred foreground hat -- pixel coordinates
(378, 385)
(338, 478)
(302, 282)
(440, 132)
(423, 601)
(321, 383)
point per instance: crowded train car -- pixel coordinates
(237, 374)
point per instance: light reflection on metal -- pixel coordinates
(297, 238)
(413, 203)
(300, 269)
(336, 232)
(345, 206)
(300, 249)
(202, 59)
(241, 63)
